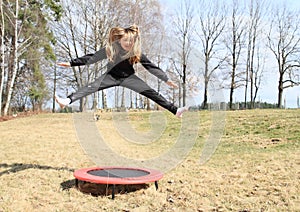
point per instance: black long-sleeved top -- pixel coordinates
(122, 67)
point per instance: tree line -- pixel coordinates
(203, 46)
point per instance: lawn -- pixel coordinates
(256, 166)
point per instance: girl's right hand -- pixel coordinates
(64, 64)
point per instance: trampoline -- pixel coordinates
(117, 176)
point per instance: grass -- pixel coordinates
(256, 166)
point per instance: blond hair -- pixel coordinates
(114, 37)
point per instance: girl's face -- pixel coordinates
(127, 42)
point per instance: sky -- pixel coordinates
(173, 3)
(268, 91)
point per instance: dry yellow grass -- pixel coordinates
(255, 168)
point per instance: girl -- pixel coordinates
(123, 50)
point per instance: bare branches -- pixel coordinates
(284, 43)
(212, 24)
(184, 28)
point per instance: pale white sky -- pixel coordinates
(268, 91)
(173, 3)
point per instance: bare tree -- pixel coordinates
(183, 27)
(211, 26)
(253, 74)
(234, 44)
(284, 43)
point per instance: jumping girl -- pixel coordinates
(123, 50)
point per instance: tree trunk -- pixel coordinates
(104, 102)
(246, 88)
(15, 59)
(2, 56)
(232, 86)
(116, 96)
(95, 100)
(131, 99)
(158, 90)
(280, 91)
(123, 98)
(184, 85)
(206, 79)
(204, 104)
(54, 90)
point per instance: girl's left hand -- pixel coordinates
(172, 84)
(64, 64)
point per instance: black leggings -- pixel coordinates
(132, 82)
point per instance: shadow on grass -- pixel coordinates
(17, 167)
(85, 187)
(66, 185)
(106, 189)
(96, 190)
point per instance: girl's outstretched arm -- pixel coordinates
(153, 69)
(86, 59)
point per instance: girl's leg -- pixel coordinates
(103, 82)
(136, 84)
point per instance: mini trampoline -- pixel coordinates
(117, 176)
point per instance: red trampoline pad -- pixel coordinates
(118, 175)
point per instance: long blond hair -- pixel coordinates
(114, 37)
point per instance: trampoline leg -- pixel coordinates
(76, 183)
(113, 191)
(156, 185)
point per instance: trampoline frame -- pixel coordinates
(83, 175)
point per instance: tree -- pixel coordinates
(14, 14)
(253, 59)
(211, 26)
(183, 27)
(234, 44)
(25, 24)
(37, 90)
(284, 43)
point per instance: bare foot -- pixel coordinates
(181, 110)
(62, 102)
